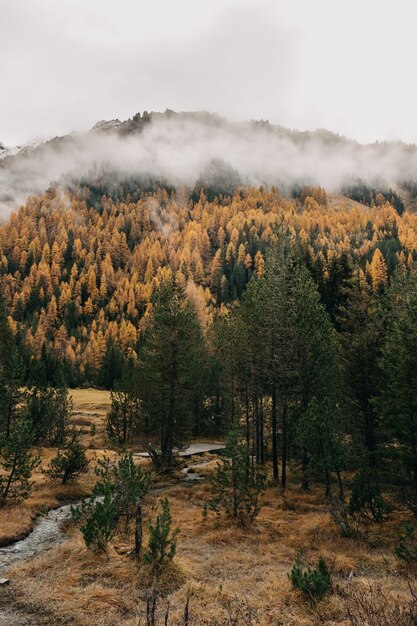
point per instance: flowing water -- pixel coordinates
(48, 533)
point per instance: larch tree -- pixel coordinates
(378, 270)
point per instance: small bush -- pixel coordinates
(235, 487)
(162, 543)
(406, 549)
(366, 499)
(313, 582)
(68, 464)
(100, 523)
(373, 606)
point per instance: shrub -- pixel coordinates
(162, 543)
(313, 582)
(100, 523)
(366, 499)
(406, 549)
(128, 484)
(235, 486)
(68, 464)
(373, 606)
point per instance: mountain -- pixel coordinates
(116, 210)
(180, 148)
(5, 151)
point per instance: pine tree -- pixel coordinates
(162, 544)
(49, 410)
(320, 430)
(276, 300)
(100, 523)
(315, 355)
(11, 375)
(172, 358)
(70, 462)
(125, 411)
(398, 400)
(17, 462)
(236, 486)
(362, 337)
(128, 484)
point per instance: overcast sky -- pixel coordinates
(345, 65)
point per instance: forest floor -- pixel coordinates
(232, 576)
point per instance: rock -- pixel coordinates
(4, 581)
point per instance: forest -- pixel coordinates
(283, 326)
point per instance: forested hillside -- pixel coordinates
(78, 269)
(284, 326)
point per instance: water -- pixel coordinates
(10, 618)
(47, 533)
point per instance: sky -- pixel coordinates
(347, 66)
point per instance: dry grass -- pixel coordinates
(90, 398)
(90, 410)
(226, 569)
(229, 572)
(17, 521)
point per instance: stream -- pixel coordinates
(47, 533)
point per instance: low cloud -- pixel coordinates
(178, 148)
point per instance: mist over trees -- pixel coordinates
(279, 319)
(199, 149)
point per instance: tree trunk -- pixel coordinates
(274, 433)
(304, 481)
(167, 447)
(138, 530)
(261, 432)
(284, 445)
(10, 479)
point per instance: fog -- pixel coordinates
(179, 148)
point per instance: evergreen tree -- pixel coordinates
(49, 410)
(172, 357)
(362, 337)
(334, 287)
(100, 523)
(69, 463)
(398, 401)
(278, 338)
(125, 411)
(162, 544)
(11, 375)
(236, 486)
(128, 484)
(316, 355)
(17, 461)
(320, 430)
